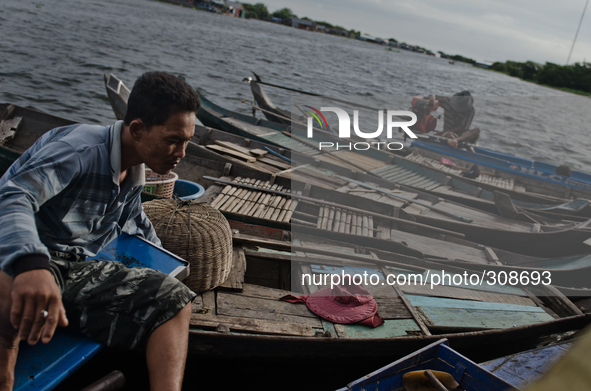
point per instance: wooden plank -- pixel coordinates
(272, 207)
(491, 256)
(331, 213)
(234, 153)
(252, 200)
(416, 181)
(243, 199)
(359, 228)
(258, 152)
(263, 292)
(232, 201)
(279, 209)
(274, 163)
(465, 294)
(220, 197)
(232, 304)
(292, 208)
(253, 325)
(556, 300)
(348, 222)
(392, 308)
(235, 280)
(466, 319)
(235, 147)
(416, 318)
(343, 223)
(390, 328)
(8, 128)
(429, 301)
(207, 303)
(337, 220)
(284, 210)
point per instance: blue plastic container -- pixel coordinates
(188, 190)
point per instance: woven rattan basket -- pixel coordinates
(160, 185)
(198, 233)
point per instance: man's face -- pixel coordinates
(163, 146)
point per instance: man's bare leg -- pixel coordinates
(166, 352)
(470, 136)
(8, 335)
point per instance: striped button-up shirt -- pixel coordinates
(63, 194)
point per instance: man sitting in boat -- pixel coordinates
(77, 188)
(457, 118)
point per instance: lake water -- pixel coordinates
(55, 52)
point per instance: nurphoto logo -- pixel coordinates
(393, 121)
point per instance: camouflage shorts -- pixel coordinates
(116, 305)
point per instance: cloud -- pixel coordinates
(492, 30)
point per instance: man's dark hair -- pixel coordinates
(158, 95)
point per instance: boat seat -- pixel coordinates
(44, 366)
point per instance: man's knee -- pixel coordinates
(185, 313)
(183, 317)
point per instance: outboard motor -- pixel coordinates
(422, 108)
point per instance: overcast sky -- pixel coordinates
(494, 30)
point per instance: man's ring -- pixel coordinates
(44, 313)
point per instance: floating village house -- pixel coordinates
(304, 24)
(236, 9)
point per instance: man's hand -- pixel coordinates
(33, 292)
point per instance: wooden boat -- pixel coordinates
(523, 368)
(437, 357)
(534, 176)
(508, 181)
(251, 306)
(20, 128)
(118, 95)
(270, 111)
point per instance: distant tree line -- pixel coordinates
(457, 57)
(574, 77)
(260, 11)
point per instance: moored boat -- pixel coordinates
(402, 374)
(23, 127)
(533, 176)
(520, 177)
(523, 368)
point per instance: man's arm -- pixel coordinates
(39, 179)
(22, 254)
